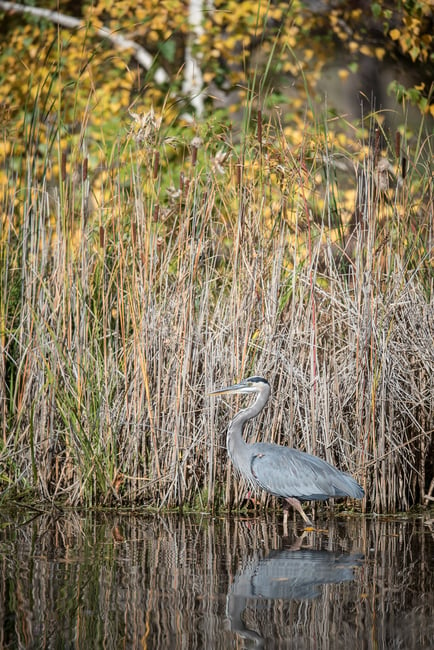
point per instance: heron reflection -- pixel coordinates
(284, 575)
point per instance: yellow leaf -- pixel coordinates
(366, 50)
(334, 19)
(394, 34)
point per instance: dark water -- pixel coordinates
(104, 580)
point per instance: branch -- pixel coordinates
(141, 55)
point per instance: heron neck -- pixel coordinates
(236, 445)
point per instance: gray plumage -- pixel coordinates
(284, 472)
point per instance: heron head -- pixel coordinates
(249, 385)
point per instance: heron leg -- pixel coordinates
(285, 521)
(250, 497)
(295, 503)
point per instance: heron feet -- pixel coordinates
(250, 497)
(295, 503)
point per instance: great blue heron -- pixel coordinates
(283, 472)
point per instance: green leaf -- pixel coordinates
(168, 49)
(376, 9)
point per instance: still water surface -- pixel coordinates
(105, 580)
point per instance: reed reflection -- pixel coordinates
(110, 580)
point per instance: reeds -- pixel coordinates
(128, 296)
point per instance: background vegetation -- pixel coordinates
(149, 255)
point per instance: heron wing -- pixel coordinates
(287, 472)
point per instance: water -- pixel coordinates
(110, 580)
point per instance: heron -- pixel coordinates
(294, 475)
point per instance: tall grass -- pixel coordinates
(128, 296)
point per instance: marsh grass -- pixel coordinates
(129, 294)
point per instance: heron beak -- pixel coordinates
(235, 388)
